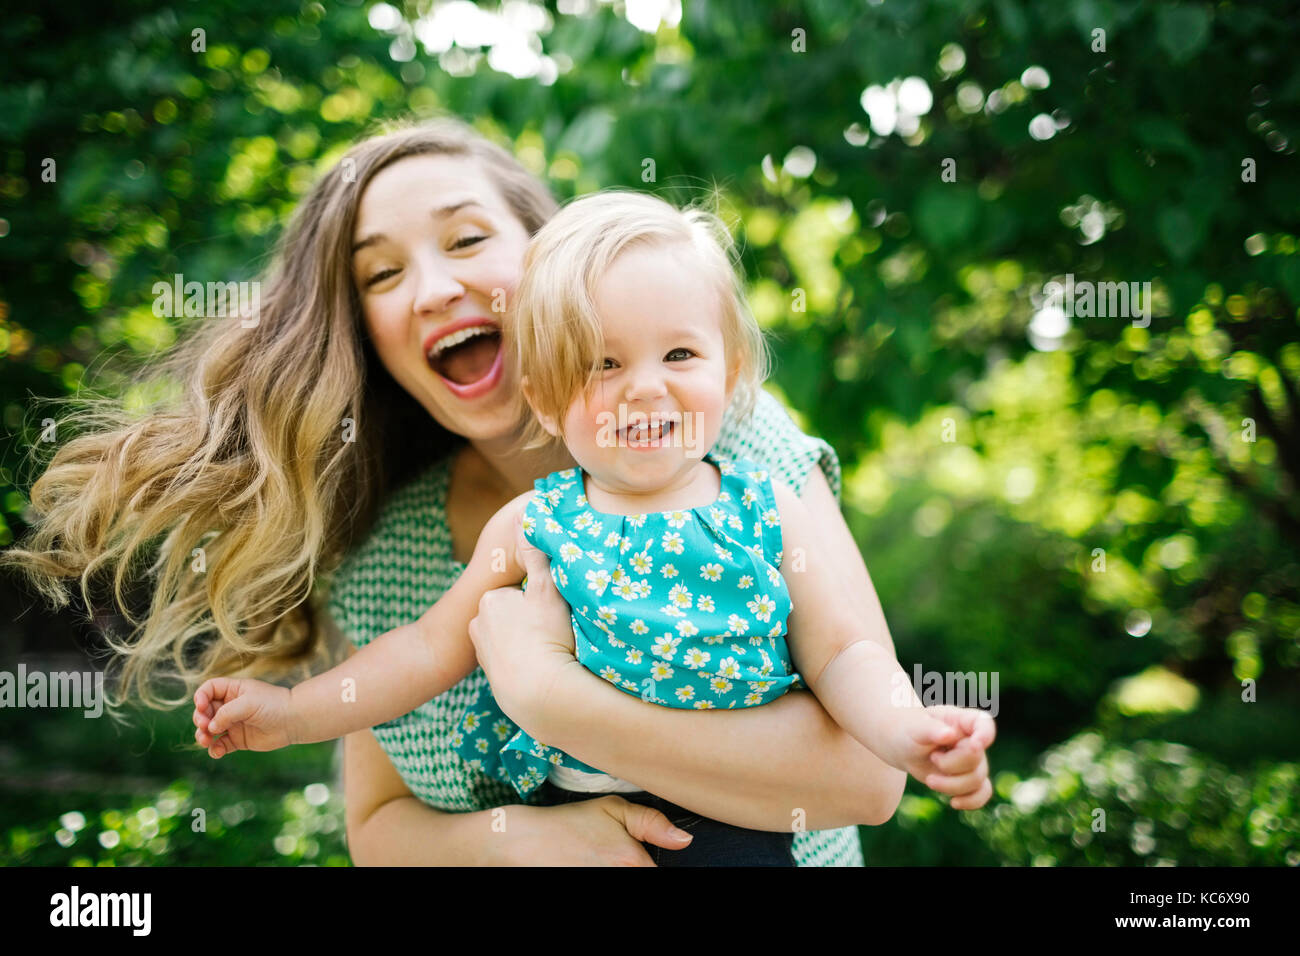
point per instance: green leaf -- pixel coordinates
(1180, 232)
(947, 214)
(1182, 31)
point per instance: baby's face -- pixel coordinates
(657, 405)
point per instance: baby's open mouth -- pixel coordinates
(467, 355)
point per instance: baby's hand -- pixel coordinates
(943, 747)
(235, 715)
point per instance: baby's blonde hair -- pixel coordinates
(554, 329)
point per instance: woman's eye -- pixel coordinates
(608, 364)
(465, 241)
(685, 353)
(380, 277)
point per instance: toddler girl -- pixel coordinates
(631, 337)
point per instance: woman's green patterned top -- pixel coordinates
(406, 564)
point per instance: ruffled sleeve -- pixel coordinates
(770, 437)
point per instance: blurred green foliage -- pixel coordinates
(1104, 514)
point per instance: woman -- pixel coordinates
(366, 412)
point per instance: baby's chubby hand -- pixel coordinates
(232, 714)
(944, 747)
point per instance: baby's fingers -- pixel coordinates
(231, 713)
(964, 757)
(973, 801)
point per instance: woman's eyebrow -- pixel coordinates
(442, 212)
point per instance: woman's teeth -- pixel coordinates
(457, 337)
(467, 355)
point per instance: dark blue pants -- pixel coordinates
(714, 843)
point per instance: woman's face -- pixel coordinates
(437, 254)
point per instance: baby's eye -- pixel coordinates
(686, 353)
(608, 364)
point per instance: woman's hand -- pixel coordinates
(524, 641)
(604, 831)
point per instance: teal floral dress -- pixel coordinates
(682, 608)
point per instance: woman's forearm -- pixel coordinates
(766, 768)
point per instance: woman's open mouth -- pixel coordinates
(467, 357)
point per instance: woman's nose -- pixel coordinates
(436, 289)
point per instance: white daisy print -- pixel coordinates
(719, 685)
(680, 596)
(610, 674)
(727, 667)
(642, 563)
(753, 700)
(625, 591)
(746, 581)
(481, 745)
(672, 542)
(570, 552)
(704, 705)
(725, 467)
(634, 656)
(747, 498)
(597, 557)
(737, 625)
(668, 571)
(529, 524)
(677, 519)
(771, 518)
(714, 638)
(717, 514)
(552, 526)
(665, 646)
(687, 629)
(774, 576)
(661, 670)
(705, 603)
(558, 576)
(695, 658)
(711, 572)
(582, 521)
(685, 693)
(761, 607)
(598, 580)
(638, 627)
(611, 539)
(607, 615)
(723, 553)
(641, 589)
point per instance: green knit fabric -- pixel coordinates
(406, 564)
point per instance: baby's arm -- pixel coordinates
(859, 682)
(390, 676)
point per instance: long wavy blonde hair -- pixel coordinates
(250, 463)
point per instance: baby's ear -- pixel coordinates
(547, 422)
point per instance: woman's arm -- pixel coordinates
(387, 826)
(753, 767)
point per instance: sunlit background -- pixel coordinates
(1100, 510)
